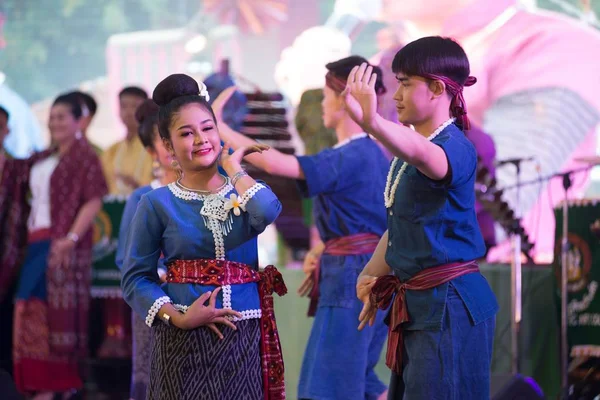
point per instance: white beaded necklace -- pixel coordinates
(390, 193)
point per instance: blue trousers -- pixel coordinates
(339, 360)
(451, 364)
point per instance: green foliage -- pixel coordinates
(53, 45)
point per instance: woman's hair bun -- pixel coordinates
(174, 86)
(146, 110)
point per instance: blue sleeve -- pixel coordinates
(262, 206)
(321, 172)
(140, 282)
(130, 207)
(462, 162)
(235, 111)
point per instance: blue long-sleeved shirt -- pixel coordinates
(182, 225)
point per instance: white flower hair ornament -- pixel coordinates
(204, 92)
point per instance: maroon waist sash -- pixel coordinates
(383, 292)
(222, 272)
(361, 243)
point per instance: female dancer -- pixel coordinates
(347, 182)
(52, 301)
(205, 226)
(443, 316)
(147, 117)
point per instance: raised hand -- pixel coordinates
(200, 315)
(360, 97)
(231, 163)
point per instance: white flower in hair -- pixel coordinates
(204, 92)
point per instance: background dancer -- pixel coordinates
(147, 116)
(346, 182)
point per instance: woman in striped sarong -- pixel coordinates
(205, 227)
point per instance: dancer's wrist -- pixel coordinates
(178, 320)
(233, 168)
(171, 316)
(373, 127)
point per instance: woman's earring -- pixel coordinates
(157, 170)
(176, 168)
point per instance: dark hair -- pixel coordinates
(135, 91)
(147, 117)
(174, 92)
(341, 69)
(4, 112)
(87, 100)
(71, 100)
(433, 55)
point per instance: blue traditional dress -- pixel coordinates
(347, 183)
(448, 340)
(140, 371)
(180, 224)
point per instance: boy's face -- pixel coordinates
(3, 128)
(333, 108)
(127, 106)
(414, 99)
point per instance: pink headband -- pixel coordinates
(335, 83)
(458, 105)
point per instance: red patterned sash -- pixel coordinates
(383, 292)
(219, 273)
(353, 245)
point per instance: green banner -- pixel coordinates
(106, 278)
(583, 266)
